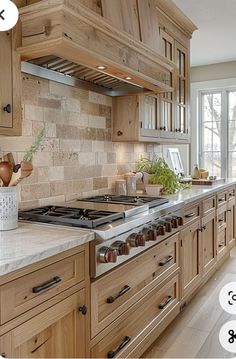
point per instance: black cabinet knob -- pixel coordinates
(7, 108)
(83, 310)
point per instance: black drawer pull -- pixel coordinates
(189, 215)
(220, 220)
(229, 210)
(221, 199)
(166, 260)
(221, 245)
(231, 194)
(122, 292)
(167, 301)
(113, 353)
(46, 285)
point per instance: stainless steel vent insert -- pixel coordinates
(64, 71)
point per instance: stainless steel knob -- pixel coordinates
(107, 255)
(122, 248)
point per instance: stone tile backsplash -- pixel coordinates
(77, 156)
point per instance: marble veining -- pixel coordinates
(30, 243)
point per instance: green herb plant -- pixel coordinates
(161, 174)
(34, 148)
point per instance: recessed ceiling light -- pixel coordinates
(101, 67)
(128, 78)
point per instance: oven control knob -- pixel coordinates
(168, 226)
(174, 222)
(136, 240)
(107, 255)
(161, 229)
(122, 248)
(181, 221)
(150, 233)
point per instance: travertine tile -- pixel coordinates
(56, 173)
(97, 122)
(35, 191)
(100, 99)
(100, 182)
(50, 129)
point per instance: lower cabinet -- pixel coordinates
(190, 258)
(122, 339)
(58, 332)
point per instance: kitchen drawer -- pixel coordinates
(208, 205)
(138, 321)
(115, 292)
(25, 293)
(221, 198)
(191, 214)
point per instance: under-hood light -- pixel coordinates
(128, 78)
(101, 67)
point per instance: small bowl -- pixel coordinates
(153, 189)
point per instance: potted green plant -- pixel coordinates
(161, 178)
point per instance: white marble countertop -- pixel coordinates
(197, 192)
(30, 243)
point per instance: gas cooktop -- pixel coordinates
(77, 217)
(129, 200)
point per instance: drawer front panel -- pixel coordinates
(221, 198)
(30, 290)
(147, 313)
(209, 205)
(221, 220)
(114, 293)
(191, 213)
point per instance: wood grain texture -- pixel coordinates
(123, 15)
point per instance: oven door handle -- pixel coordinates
(124, 290)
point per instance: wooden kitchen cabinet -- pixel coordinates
(10, 81)
(45, 308)
(190, 258)
(58, 332)
(222, 247)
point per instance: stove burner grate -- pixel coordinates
(78, 217)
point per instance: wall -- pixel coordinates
(77, 156)
(223, 70)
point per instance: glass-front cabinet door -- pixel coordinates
(166, 118)
(149, 114)
(181, 125)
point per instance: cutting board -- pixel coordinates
(203, 182)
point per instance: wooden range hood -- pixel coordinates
(67, 37)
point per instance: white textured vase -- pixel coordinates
(8, 208)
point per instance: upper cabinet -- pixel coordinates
(10, 80)
(163, 117)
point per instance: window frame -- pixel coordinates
(197, 90)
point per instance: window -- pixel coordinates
(215, 139)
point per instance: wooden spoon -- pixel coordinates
(24, 171)
(6, 171)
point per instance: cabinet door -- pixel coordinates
(190, 258)
(58, 332)
(148, 113)
(222, 232)
(182, 91)
(209, 242)
(6, 79)
(231, 224)
(166, 123)
(10, 81)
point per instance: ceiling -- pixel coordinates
(214, 41)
